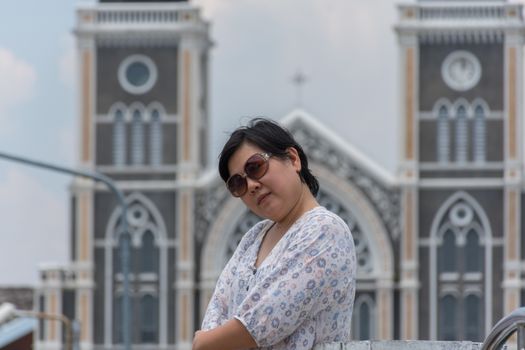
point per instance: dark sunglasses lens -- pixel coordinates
(237, 185)
(256, 166)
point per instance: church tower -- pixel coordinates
(461, 69)
(143, 121)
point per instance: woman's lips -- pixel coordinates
(262, 197)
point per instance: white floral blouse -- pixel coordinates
(303, 292)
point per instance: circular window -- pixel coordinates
(137, 215)
(137, 74)
(461, 70)
(461, 214)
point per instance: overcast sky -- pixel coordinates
(346, 48)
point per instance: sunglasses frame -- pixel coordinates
(264, 155)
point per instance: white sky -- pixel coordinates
(347, 49)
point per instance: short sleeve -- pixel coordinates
(217, 311)
(314, 271)
(219, 307)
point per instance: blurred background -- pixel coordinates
(345, 49)
(411, 114)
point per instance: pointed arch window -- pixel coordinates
(447, 253)
(460, 257)
(117, 268)
(448, 318)
(473, 253)
(148, 259)
(137, 139)
(473, 316)
(149, 253)
(119, 139)
(461, 134)
(155, 139)
(117, 317)
(362, 319)
(149, 312)
(443, 138)
(479, 134)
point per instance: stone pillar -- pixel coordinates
(83, 189)
(188, 143)
(513, 168)
(385, 310)
(409, 283)
(51, 290)
(87, 111)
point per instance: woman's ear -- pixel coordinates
(293, 155)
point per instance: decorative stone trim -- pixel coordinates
(462, 37)
(385, 200)
(208, 202)
(151, 75)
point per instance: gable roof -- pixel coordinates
(303, 118)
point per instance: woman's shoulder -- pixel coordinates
(321, 226)
(322, 216)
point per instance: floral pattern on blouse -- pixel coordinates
(301, 295)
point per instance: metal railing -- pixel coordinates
(124, 242)
(135, 16)
(461, 12)
(505, 328)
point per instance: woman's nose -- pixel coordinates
(253, 185)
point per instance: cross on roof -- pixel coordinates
(299, 79)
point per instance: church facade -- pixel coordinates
(439, 247)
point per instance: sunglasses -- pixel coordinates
(254, 168)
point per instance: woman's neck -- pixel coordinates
(305, 203)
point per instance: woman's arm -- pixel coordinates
(232, 335)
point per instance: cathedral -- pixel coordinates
(439, 247)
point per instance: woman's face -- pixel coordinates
(275, 194)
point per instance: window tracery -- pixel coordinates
(443, 135)
(461, 244)
(155, 138)
(468, 122)
(119, 139)
(461, 134)
(146, 270)
(137, 139)
(479, 134)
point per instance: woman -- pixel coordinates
(290, 283)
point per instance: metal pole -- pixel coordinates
(75, 326)
(521, 335)
(124, 245)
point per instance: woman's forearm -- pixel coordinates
(230, 336)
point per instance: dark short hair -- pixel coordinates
(270, 137)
